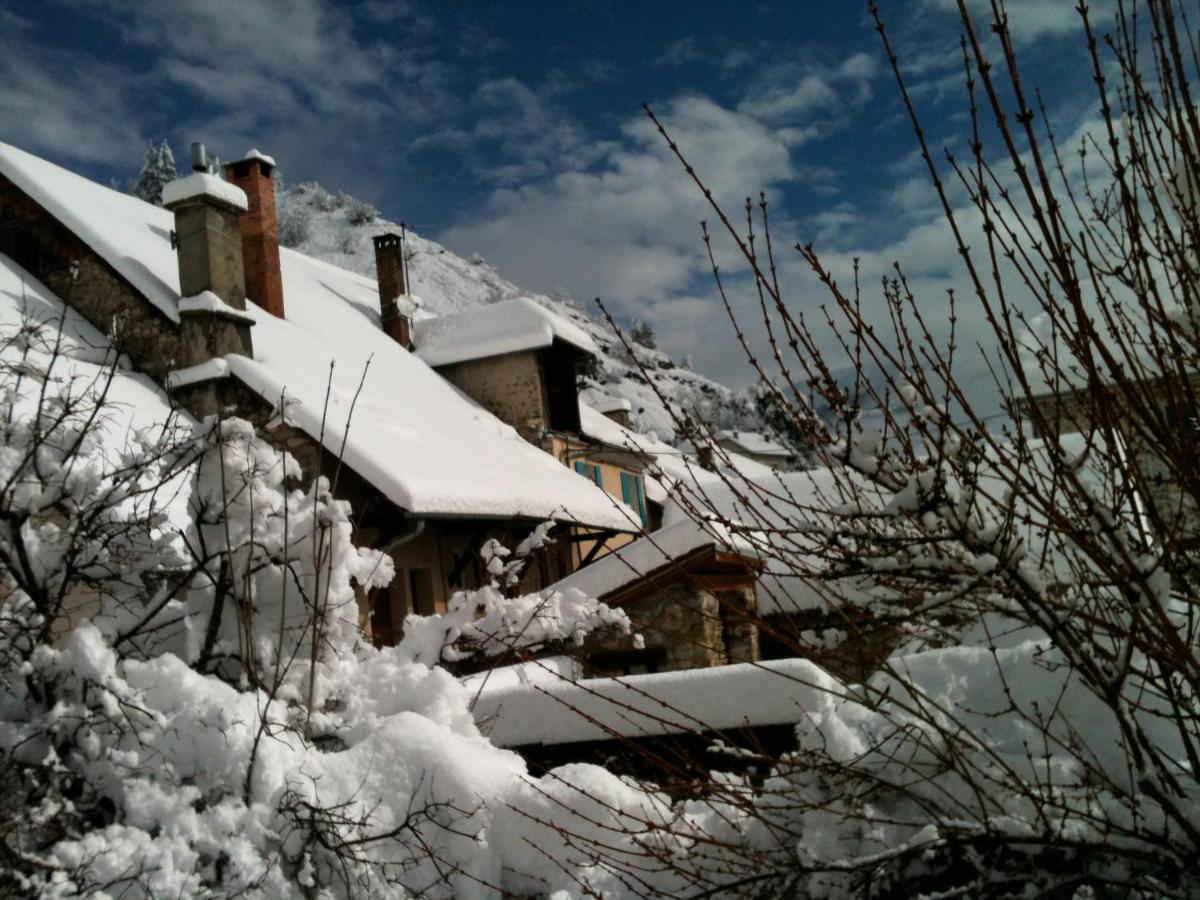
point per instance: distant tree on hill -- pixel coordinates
(158, 167)
(643, 334)
(359, 212)
(779, 418)
(295, 223)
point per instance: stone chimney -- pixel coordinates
(260, 230)
(389, 266)
(617, 409)
(212, 310)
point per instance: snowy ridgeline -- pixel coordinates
(338, 229)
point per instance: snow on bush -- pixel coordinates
(295, 224)
(359, 212)
(187, 705)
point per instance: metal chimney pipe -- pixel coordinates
(199, 157)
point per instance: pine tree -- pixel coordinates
(158, 167)
(642, 333)
(779, 421)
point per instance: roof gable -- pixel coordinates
(414, 437)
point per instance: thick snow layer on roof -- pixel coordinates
(202, 184)
(603, 402)
(493, 330)
(132, 236)
(646, 555)
(544, 670)
(779, 692)
(420, 441)
(132, 401)
(798, 511)
(669, 465)
(779, 505)
(599, 427)
(753, 442)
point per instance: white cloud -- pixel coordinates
(681, 52)
(43, 110)
(1032, 19)
(789, 91)
(625, 226)
(622, 220)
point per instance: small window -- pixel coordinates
(634, 494)
(591, 472)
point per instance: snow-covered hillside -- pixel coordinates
(338, 229)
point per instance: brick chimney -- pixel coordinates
(389, 267)
(260, 230)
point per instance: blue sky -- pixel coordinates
(515, 130)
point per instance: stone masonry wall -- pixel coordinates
(680, 625)
(1073, 412)
(136, 327)
(74, 272)
(739, 613)
(508, 386)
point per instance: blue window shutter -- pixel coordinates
(581, 468)
(627, 488)
(597, 477)
(641, 500)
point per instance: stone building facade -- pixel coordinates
(434, 556)
(697, 611)
(512, 387)
(36, 240)
(1159, 481)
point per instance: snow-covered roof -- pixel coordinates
(421, 442)
(647, 555)
(132, 401)
(604, 403)
(493, 330)
(753, 442)
(599, 427)
(778, 692)
(780, 506)
(673, 464)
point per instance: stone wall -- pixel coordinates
(739, 616)
(1073, 411)
(509, 386)
(74, 272)
(683, 625)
